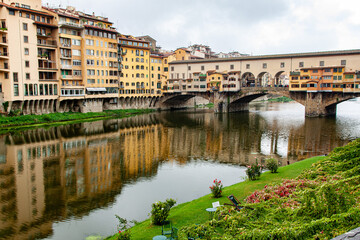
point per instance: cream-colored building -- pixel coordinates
(28, 56)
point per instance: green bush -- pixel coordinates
(272, 165)
(160, 211)
(253, 171)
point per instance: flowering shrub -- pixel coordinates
(253, 171)
(216, 188)
(279, 191)
(123, 228)
(272, 165)
(160, 211)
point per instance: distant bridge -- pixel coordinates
(316, 103)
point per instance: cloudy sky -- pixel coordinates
(249, 26)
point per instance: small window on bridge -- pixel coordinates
(231, 66)
(343, 62)
(301, 64)
(264, 65)
(247, 66)
(322, 63)
(282, 65)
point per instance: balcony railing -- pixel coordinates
(48, 43)
(70, 24)
(66, 55)
(68, 45)
(64, 66)
(4, 54)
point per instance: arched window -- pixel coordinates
(142, 60)
(142, 75)
(137, 75)
(141, 53)
(142, 66)
(137, 67)
(137, 52)
(137, 60)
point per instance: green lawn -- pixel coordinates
(194, 211)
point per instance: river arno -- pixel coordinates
(68, 182)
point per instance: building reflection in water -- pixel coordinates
(53, 174)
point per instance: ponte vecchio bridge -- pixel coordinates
(318, 80)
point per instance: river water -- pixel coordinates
(68, 182)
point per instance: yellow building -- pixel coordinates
(134, 78)
(157, 76)
(99, 55)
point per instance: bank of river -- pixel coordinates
(193, 212)
(52, 119)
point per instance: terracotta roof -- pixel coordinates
(100, 28)
(25, 9)
(46, 24)
(93, 18)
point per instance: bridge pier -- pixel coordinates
(316, 105)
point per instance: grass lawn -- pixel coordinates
(194, 211)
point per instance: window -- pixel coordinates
(77, 52)
(26, 51)
(202, 68)
(217, 67)
(301, 64)
(15, 77)
(25, 26)
(315, 71)
(27, 64)
(27, 76)
(26, 39)
(189, 68)
(16, 89)
(247, 66)
(78, 62)
(12, 12)
(172, 69)
(343, 62)
(76, 42)
(231, 66)
(264, 65)
(282, 64)
(322, 63)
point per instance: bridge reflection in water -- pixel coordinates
(49, 175)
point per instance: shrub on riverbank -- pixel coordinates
(160, 211)
(322, 202)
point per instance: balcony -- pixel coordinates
(47, 65)
(70, 25)
(65, 56)
(66, 45)
(202, 75)
(4, 67)
(3, 29)
(64, 66)
(4, 55)
(3, 41)
(47, 35)
(47, 43)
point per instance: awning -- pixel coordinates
(96, 89)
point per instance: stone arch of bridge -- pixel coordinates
(281, 78)
(180, 99)
(247, 79)
(264, 79)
